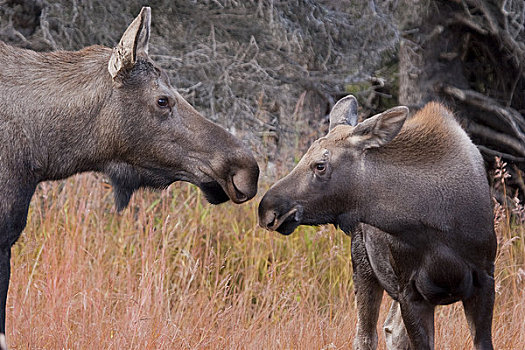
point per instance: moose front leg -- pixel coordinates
(5, 271)
(478, 311)
(13, 216)
(368, 294)
(418, 318)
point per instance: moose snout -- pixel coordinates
(233, 175)
(277, 214)
(268, 219)
(243, 184)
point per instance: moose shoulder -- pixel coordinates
(107, 110)
(414, 196)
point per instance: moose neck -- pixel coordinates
(57, 98)
(400, 198)
(418, 181)
(424, 197)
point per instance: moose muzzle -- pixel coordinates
(279, 214)
(242, 184)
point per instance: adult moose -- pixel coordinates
(414, 197)
(107, 110)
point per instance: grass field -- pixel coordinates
(173, 272)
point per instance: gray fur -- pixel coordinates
(414, 197)
(63, 113)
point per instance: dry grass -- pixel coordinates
(174, 272)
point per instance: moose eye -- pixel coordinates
(320, 168)
(162, 102)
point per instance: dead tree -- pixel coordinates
(471, 55)
(267, 70)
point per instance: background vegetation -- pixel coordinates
(174, 272)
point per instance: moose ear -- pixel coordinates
(380, 129)
(134, 42)
(344, 112)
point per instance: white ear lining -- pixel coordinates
(134, 40)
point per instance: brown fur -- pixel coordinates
(78, 75)
(432, 129)
(414, 196)
(107, 110)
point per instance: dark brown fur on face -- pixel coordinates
(414, 197)
(107, 110)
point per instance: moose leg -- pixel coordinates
(368, 300)
(478, 311)
(13, 217)
(418, 317)
(368, 294)
(396, 336)
(5, 271)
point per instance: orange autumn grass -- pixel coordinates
(172, 272)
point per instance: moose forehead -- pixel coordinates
(337, 137)
(144, 71)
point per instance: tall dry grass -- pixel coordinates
(172, 272)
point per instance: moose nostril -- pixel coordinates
(273, 218)
(244, 183)
(241, 197)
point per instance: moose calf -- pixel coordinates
(107, 110)
(414, 197)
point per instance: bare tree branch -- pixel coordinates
(507, 114)
(494, 153)
(497, 138)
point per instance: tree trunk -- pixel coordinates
(470, 55)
